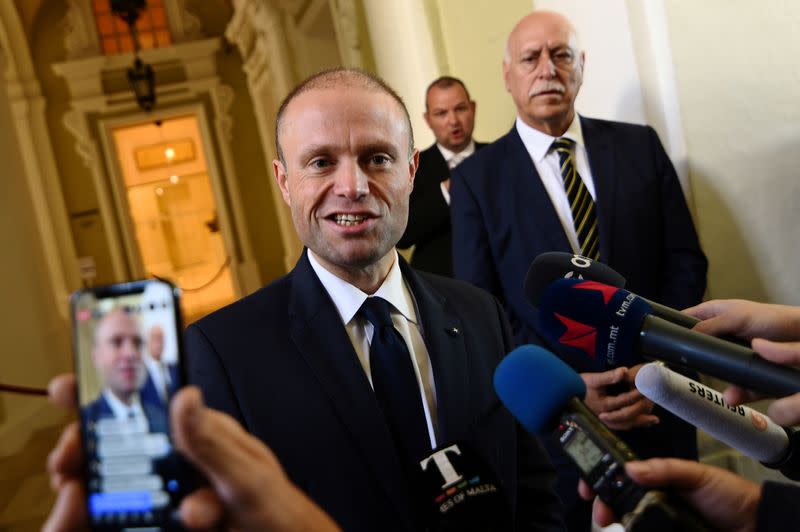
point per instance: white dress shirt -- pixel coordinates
(129, 413)
(453, 159)
(159, 374)
(549, 167)
(348, 300)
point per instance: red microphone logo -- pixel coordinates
(578, 335)
(607, 291)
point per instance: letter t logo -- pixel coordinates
(443, 464)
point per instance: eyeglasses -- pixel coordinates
(560, 57)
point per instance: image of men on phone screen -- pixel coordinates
(126, 436)
(161, 381)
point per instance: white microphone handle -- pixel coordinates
(741, 427)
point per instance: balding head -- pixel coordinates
(542, 20)
(543, 70)
(340, 78)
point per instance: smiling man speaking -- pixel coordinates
(353, 368)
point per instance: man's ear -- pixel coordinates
(281, 177)
(427, 118)
(413, 165)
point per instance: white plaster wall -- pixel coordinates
(611, 86)
(473, 34)
(738, 80)
(404, 53)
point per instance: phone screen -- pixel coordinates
(127, 348)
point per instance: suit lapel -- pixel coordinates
(601, 162)
(534, 215)
(434, 164)
(321, 339)
(442, 332)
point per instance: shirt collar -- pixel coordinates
(538, 143)
(152, 364)
(463, 154)
(120, 409)
(348, 298)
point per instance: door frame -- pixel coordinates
(118, 189)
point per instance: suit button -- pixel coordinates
(453, 331)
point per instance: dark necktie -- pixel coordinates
(395, 384)
(584, 214)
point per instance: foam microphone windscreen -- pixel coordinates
(534, 384)
(547, 267)
(592, 325)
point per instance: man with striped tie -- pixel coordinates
(562, 182)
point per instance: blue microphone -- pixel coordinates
(544, 394)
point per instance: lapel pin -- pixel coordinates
(453, 331)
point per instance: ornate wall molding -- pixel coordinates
(185, 25)
(80, 32)
(75, 122)
(223, 100)
(256, 29)
(41, 173)
(345, 22)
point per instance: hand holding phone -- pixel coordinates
(248, 490)
(127, 359)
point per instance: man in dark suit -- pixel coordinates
(161, 381)
(301, 363)
(117, 356)
(560, 182)
(450, 113)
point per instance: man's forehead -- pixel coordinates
(117, 321)
(323, 115)
(544, 31)
(454, 91)
(320, 99)
(539, 41)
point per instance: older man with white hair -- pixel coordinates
(563, 182)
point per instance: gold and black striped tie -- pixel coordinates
(584, 214)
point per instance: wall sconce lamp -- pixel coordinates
(140, 75)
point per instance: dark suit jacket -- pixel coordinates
(99, 408)
(149, 393)
(503, 218)
(429, 215)
(281, 363)
(777, 508)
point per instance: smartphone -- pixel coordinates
(127, 344)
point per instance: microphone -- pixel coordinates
(740, 427)
(459, 491)
(606, 327)
(543, 393)
(552, 265)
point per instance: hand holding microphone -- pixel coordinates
(775, 334)
(726, 501)
(607, 327)
(741, 427)
(747, 319)
(621, 411)
(544, 394)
